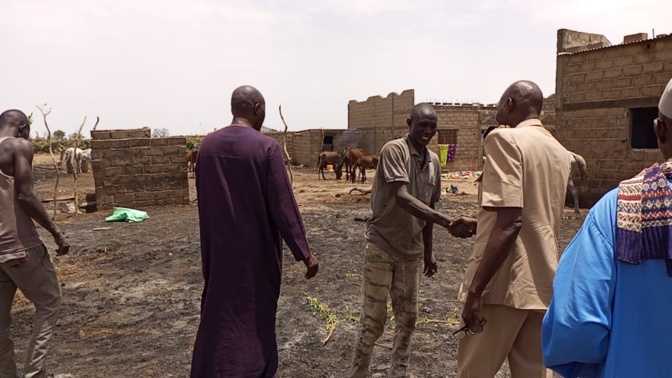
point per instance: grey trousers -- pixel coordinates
(35, 276)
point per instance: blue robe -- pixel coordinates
(607, 318)
(246, 208)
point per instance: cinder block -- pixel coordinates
(652, 91)
(103, 144)
(662, 78)
(663, 55)
(113, 171)
(152, 151)
(100, 134)
(653, 67)
(140, 142)
(642, 80)
(623, 61)
(162, 159)
(632, 71)
(134, 169)
(123, 198)
(610, 74)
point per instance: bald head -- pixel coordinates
(522, 100)
(247, 104)
(14, 123)
(13, 117)
(423, 109)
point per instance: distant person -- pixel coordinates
(246, 208)
(406, 186)
(611, 307)
(508, 283)
(25, 262)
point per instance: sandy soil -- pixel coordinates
(131, 293)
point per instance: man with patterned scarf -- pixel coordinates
(612, 293)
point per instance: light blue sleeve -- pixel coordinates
(575, 331)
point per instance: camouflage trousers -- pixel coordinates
(386, 274)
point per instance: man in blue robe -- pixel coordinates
(612, 301)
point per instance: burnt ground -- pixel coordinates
(131, 292)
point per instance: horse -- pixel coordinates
(325, 158)
(366, 162)
(349, 158)
(192, 155)
(578, 164)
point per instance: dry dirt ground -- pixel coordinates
(131, 293)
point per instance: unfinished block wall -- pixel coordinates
(307, 145)
(130, 169)
(379, 119)
(597, 92)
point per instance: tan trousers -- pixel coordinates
(386, 274)
(509, 333)
(36, 277)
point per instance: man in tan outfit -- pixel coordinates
(407, 184)
(508, 283)
(24, 260)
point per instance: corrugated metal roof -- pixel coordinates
(667, 36)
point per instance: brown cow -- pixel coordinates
(366, 162)
(348, 158)
(325, 158)
(192, 155)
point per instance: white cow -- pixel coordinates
(66, 157)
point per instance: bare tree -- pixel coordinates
(288, 158)
(161, 133)
(45, 112)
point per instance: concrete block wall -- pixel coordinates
(307, 145)
(595, 91)
(379, 119)
(469, 121)
(130, 169)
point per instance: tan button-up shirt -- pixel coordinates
(526, 167)
(392, 228)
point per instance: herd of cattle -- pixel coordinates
(351, 158)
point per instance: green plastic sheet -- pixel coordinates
(123, 214)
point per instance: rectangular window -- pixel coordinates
(447, 136)
(641, 128)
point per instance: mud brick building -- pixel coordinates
(130, 169)
(606, 100)
(305, 146)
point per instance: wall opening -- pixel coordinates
(328, 143)
(447, 136)
(641, 128)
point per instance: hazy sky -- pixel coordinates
(173, 64)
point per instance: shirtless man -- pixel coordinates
(24, 260)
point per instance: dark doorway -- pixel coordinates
(328, 143)
(641, 128)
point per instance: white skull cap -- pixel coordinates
(665, 104)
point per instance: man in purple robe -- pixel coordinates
(246, 205)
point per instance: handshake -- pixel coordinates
(462, 227)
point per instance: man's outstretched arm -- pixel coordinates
(25, 191)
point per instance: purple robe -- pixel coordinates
(246, 207)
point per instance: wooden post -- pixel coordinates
(284, 147)
(45, 112)
(74, 167)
